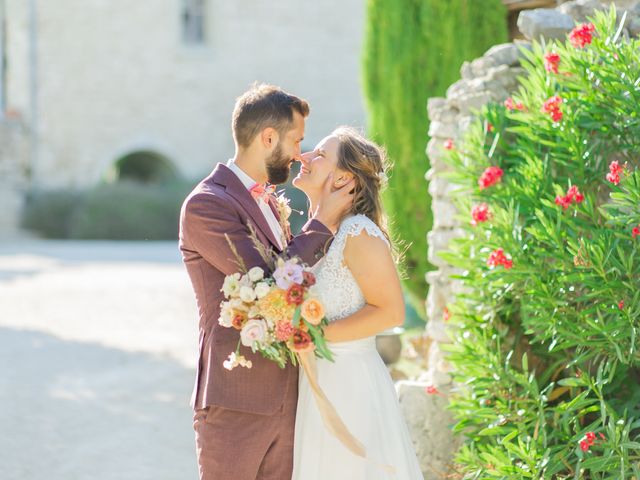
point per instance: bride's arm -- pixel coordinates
(372, 265)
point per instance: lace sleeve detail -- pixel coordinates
(352, 227)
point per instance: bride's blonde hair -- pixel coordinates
(368, 164)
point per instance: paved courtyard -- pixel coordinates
(97, 352)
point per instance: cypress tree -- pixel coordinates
(413, 50)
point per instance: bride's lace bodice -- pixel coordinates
(335, 286)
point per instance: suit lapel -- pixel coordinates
(222, 175)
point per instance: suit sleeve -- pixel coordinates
(206, 218)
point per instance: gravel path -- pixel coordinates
(97, 350)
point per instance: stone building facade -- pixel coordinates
(93, 81)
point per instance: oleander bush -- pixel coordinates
(547, 333)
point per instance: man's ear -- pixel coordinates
(269, 138)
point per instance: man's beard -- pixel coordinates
(278, 167)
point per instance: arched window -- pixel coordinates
(193, 21)
(144, 167)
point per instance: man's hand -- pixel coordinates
(334, 204)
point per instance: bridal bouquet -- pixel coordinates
(277, 316)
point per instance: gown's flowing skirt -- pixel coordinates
(360, 388)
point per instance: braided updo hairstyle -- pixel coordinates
(368, 164)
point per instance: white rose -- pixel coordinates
(226, 315)
(253, 331)
(262, 289)
(245, 281)
(231, 285)
(256, 274)
(247, 294)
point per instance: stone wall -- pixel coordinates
(490, 78)
(13, 175)
(115, 76)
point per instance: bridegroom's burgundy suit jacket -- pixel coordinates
(221, 205)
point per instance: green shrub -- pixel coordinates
(50, 213)
(547, 348)
(413, 51)
(118, 211)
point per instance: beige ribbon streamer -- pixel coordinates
(332, 420)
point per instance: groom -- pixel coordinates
(244, 419)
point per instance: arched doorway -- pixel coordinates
(144, 166)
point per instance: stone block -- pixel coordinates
(429, 424)
(481, 65)
(465, 71)
(443, 129)
(579, 10)
(544, 23)
(389, 347)
(439, 241)
(434, 105)
(444, 213)
(504, 54)
(456, 90)
(473, 102)
(440, 187)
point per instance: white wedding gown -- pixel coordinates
(357, 384)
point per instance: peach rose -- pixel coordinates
(312, 311)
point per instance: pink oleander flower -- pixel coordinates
(490, 176)
(573, 196)
(480, 213)
(497, 258)
(551, 62)
(448, 144)
(446, 315)
(614, 172)
(511, 105)
(552, 107)
(563, 201)
(613, 178)
(588, 440)
(432, 390)
(582, 35)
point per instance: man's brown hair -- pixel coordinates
(264, 106)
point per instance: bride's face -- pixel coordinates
(316, 166)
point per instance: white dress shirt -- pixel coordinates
(271, 219)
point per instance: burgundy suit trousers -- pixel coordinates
(235, 445)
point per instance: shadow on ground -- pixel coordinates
(72, 410)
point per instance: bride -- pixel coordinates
(359, 286)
